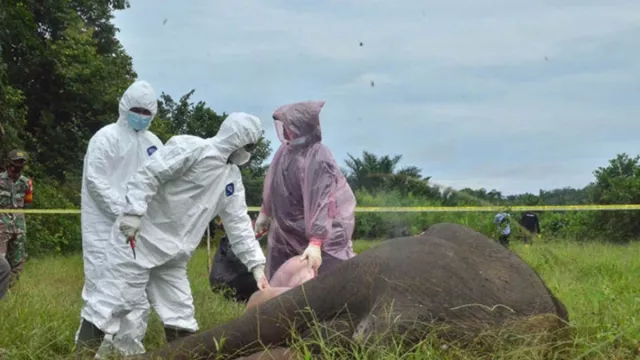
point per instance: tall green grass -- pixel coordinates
(598, 283)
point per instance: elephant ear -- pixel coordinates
(292, 273)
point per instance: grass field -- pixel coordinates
(599, 284)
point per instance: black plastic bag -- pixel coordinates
(230, 276)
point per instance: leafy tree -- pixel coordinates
(617, 183)
(62, 72)
(370, 171)
(64, 58)
(374, 174)
(12, 115)
(565, 196)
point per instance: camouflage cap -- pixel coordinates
(17, 155)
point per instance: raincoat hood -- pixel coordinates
(238, 130)
(139, 94)
(299, 123)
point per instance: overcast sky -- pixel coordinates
(507, 94)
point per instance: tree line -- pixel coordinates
(63, 71)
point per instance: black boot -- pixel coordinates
(172, 334)
(89, 339)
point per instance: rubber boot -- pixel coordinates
(172, 334)
(89, 339)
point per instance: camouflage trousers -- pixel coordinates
(5, 278)
(13, 241)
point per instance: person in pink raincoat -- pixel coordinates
(307, 206)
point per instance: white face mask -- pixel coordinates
(240, 157)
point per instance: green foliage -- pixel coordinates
(386, 225)
(12, 114)
(71, 80)
(618, 183)
(374, 174)
(62, 72)
(377, 183)
(48, 234)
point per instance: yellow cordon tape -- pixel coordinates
(40, 211)
(376, 209)
(500, 208)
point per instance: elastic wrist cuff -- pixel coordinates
(316, 242)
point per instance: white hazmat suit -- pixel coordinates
(170, 201)
(114, 153)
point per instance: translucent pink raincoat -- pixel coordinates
(305, 193)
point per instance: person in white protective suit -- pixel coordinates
(170, 201)
(114, 153)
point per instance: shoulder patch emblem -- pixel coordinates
(229, 189)
(151, 149)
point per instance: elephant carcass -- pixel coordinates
(451, 275)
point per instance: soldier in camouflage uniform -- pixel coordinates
(15, 193)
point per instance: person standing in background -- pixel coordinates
(503, 222)
(531, 224)
(15, 193)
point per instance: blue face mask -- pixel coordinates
(137, 121)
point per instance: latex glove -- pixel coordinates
(261, 278)
(262, 223)
(313, 255)
(130, 225)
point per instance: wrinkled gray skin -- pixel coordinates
(441, 277)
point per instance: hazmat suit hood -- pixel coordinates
(237, 131)
(298, 124)
(139, 94)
